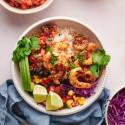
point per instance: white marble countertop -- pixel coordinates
(106, 17)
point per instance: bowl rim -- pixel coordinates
(27, 11)
(23, 94)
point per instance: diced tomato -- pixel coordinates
(46, 81)
(42, 52)
(11, 4)
(34, 65)
(52, 88)
(31, 59)
(42, 41)
(58, 89)
(66, 98)
(24, 5)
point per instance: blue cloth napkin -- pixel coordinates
(14, 110)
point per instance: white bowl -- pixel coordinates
(78, 26)
(27, 11)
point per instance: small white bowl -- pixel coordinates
(107, 105)
(27, 11)
(78, 26)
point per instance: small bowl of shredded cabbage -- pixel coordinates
(115, 110)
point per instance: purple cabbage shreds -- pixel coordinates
(81, 92)
(116, 109)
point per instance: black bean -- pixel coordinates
(33, 72)
(41, 73)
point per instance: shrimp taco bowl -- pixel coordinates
(59, 66)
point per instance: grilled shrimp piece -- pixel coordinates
(87, 58)
(80, 43)
(89, 77)
(88, 61)
(76, 63)
(74, 80)
(91, 47)
(46, 60)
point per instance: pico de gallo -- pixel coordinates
(25, 4)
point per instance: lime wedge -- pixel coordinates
(54, 101)
(39, 93)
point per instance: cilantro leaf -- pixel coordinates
(105, 60)
(79, 57)
(100, 57)
(95, 70)
(48, 48)
(24, 48)
(35, 43)
(72, 66)
(53, 59)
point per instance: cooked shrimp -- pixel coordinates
(46, 60)
(80, 43)
(77, 64)
(88, 61)
(89, 77)
(74, 80)
(91, 47)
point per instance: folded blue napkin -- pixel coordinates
(14, 110)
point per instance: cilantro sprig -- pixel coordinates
(72, 65)
(24, 48)
(48, 48)
(53, 59)
(100, 59)
(79, 57)
(95, 70)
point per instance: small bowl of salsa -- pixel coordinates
(25, 6)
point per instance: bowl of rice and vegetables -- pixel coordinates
(59, 65)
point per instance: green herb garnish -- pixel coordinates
(79, 57)
(53, 59)
(100, 59)
(68, 73)
(72, 66)
(24, 48)
(48, 48)
(94, 69)
(34, 43)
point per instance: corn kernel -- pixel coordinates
(81, 100)
(36, 79)
(69, 103)
(74, 97)
(70, 93)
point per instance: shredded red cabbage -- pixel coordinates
(116, 109)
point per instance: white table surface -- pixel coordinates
(106, 17)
